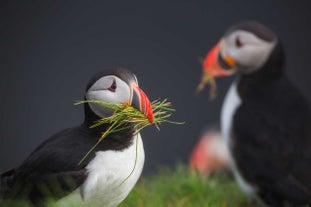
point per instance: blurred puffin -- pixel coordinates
(265, 120)
(52, 169)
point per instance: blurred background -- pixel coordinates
(50, 49)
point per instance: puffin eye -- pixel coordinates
(113, 86)
(238, 42)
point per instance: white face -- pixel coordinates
(249, 51)
(108, 89)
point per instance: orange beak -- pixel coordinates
(215, 64)
(141, 102)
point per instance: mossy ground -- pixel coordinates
(180, 187)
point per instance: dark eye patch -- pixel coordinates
(238, 42)
(113, 86)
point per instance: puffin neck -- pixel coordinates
(90, 118)
(118, 140)
(273, 69)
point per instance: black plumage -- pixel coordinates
(271, 134)
(54, 164)
(271, 142)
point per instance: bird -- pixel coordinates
(104, 178)
(265, 119)
(209, 154)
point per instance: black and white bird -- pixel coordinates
(52, 169)
(265, 120)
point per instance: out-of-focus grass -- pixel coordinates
(182, 187)
(179, 187)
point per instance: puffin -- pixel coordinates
(265, 119)
(105, 177)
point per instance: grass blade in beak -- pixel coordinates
(208, 78)
(125, 114)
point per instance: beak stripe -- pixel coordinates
(230, 61)
(222, 62)
(141, 102)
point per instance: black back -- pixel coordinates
(272, 134)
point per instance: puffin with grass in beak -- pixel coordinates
(265, 120)
(107, 175)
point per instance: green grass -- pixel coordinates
(182, 187)
(179, 187)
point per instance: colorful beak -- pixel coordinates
(214, 65)
(141, 102)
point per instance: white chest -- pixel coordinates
(111, 176)
(231, 103)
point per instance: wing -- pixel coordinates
(53, 185)
(51, 170)
(272, 144)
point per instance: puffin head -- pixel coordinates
(115, 86)
(245, 48)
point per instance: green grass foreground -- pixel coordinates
(178, 187)
(182, 187)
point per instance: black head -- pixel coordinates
(247, 48)
(114, 86)
(124, 74)
(250, 44)
(254, 27)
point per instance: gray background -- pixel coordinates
(49, 50)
